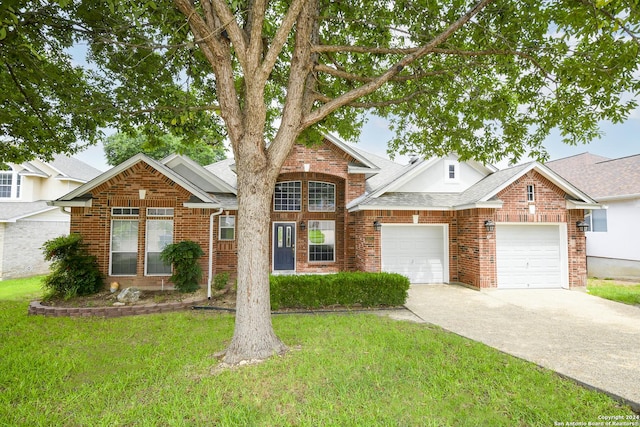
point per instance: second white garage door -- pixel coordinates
(416, 251)
(531, 256)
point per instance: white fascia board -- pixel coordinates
(621, 197)
(399, 208)
(192, 205)
(359, 169)
(574, 204)
(69, 179)
(71, 203)
(480, 205)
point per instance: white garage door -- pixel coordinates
(416, 251)
(530, 256)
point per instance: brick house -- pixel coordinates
(339, 208)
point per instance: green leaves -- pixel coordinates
(493, 89)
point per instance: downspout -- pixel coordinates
(211, 251)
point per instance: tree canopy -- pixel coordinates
(120, 147)
(490, 88)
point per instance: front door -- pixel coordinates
(284, 246)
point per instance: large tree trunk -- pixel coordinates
(253, 338)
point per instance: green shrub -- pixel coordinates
(344, 289)
(186, 270)
(220, 281)
(73, 272)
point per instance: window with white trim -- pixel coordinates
(531, 196)
(321, 236)
(124, 247)
(227, 228)
(287, 196)
(322, 197)
(596, 220)
(10, 182)
(159, 235)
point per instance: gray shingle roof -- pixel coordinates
(222, 170)
(12, 210)
(600, 177)
(74, 168)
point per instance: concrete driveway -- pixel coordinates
(591, 340)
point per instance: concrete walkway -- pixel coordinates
(589, 339)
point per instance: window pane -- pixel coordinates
(124, 263)
(322, 239)
(124, 236)
(159, 235)
(6, 179)
(599, 218)
(287, 196)
(322, 196)
(156, 266)
(227, 229)
(124, 247)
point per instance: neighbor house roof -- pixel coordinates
(66, 168)
(14, 211)
(600, 177)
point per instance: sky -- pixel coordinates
(619, 140)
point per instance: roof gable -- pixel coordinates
(83, 190)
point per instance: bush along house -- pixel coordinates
(339, 208)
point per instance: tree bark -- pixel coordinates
(253, 338)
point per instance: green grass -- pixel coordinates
(627, 293)
(352, 370)
(21, 289)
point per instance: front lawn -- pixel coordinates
(21, 289)
(341, 370)
(625, 292)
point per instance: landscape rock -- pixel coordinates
(129, 295)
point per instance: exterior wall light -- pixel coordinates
(303, 226)
(489, 225)
(582, 226)
(376, 225)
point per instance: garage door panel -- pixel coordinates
(417, 252)
(529, 256)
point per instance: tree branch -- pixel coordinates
(236, 34)
(387, 103)
(218, 54)
(407, 51)
(280, 37)
(326, 109)
(359, 78)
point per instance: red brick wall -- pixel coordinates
(94, 223)
(550, 207)
(471, 247)
(476, 249)
(367, 241)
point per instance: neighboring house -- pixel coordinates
(337, 208)
(26, 221)
(613, 248)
